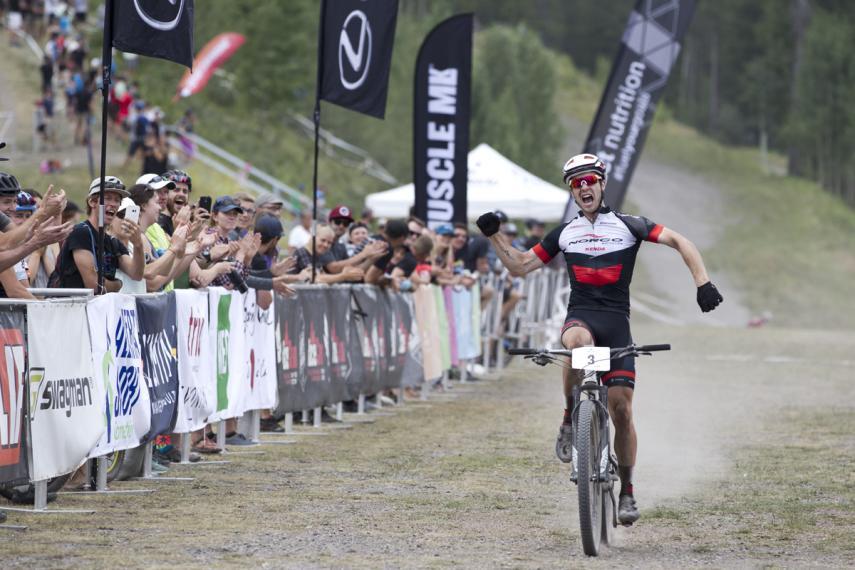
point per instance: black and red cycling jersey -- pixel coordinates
(600, 256)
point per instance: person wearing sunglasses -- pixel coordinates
(600, 247)
(336, 259)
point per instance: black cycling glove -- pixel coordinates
(489, 223)
(708, 297)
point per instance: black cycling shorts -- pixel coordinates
(610, 329)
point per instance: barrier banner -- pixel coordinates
(444, 333)
(158, 340)
(461, 299)
(342, 372)
(374, 362)
(197, 389)
(318, 381)
(66, 418)
(428, 324)
(387, 333)
(117, 361)
(441, 97)
(225, 312)
(13, 363)
(410, 360)
(290, 353)
(648, 50)
(476, 318)
(448, 299)
(260, 350)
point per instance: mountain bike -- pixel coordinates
(594, 466)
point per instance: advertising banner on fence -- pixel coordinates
(117, 361)
(317, 370)
(441, 98)
(649, 48)
(355, 54)
(389, 335)
(344, 377)
(13, 359)
(427, 320)
(197, 384)
(260, 352)
(66, 403)
(368, 309)
(225, 311)
(158, 340)
(290, 353)
(409, 345)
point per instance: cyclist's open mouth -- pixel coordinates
(587, 198)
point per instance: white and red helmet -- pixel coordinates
(583, 164)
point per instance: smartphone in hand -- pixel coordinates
(205, 203)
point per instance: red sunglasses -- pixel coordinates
(587, 179)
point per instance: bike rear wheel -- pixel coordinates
(588, 465)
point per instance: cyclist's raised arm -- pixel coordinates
(518, 262)
(689, 252)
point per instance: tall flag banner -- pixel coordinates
(212, 56)
(66, 418)
(117, 361)
(441, 113)
(649, 48)
(13, 370)
(155, 28)
(355, 53)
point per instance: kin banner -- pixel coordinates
(355, 53)
(441, 112)
(197, 391)
(117, 359)
(158, 340)
(66, 418)
(154, 28)
(13, 359)
(649, 48)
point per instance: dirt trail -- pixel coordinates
(472, 481)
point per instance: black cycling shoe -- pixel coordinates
(627, 511)
(564, 443)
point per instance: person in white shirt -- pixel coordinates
(300, 235)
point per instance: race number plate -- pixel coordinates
(592, 358)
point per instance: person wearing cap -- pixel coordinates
(177, 210)
(78, 260)
(510, 230)
(536, 232)
(443, 253)
(226, 256)
(14, 281)
(155, 233)
(336, 259)
(323, 241)
(246, 220)
(266, 271)
(269, 204)
(301, 233)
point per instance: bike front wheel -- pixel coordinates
(587, 467)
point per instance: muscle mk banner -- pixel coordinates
(154, 28)
(197, 390)
(117, 359)
(158, 340)
(441, 112)
(227, 336)
(355, 53)
(260, 353)
(13, 370)
(66, 402)
(649, 48)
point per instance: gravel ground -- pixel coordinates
(470, 479)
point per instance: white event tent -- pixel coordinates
(495, 183)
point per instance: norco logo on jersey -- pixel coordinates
(596, 240)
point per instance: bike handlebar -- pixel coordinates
(523, 351)
(564, 352)
(652, 347)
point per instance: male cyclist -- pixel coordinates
(599, 246)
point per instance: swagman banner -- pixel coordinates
(117, 359)
(198, 390)
(649, 48)
(441, 110)
(155, 28)
(158, 340)
(355, 53)
(13, 358)
(66, 402)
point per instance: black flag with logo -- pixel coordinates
(155, 28)
(441, 105)
(355, 53)
(649, 48)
